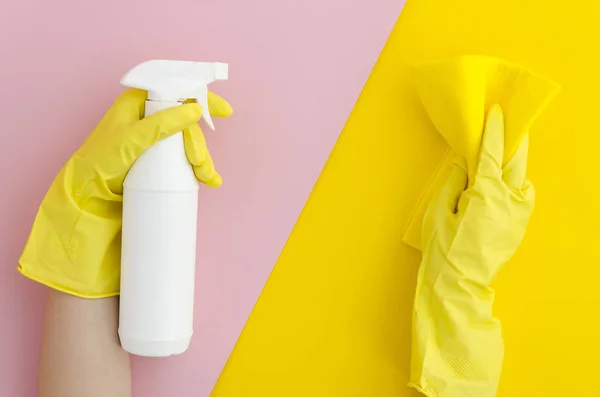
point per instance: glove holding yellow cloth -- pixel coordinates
(457, 93)
(75, 242)
(471, 229)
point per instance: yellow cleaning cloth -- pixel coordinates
(334, 319)
(456, 94)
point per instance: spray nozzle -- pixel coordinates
(172, 81)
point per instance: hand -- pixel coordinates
(123, 134)
(485, 223)
(75, 244)
(468, 235)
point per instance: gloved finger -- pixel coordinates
(492, 145)
(162, 124)
(199, 157)
(516, 169)
(217, 106)
(129, 106)
(454, 186)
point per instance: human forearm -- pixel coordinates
(457, 345)
(454, 333)
(81, 355)
(74, 246)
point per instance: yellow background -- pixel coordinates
(335, 316)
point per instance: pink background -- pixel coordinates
(296, 68)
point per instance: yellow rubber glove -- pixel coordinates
(75, 242)
(468, 235)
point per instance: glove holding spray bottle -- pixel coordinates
(75, 242)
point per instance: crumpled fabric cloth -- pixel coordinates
(457, 93)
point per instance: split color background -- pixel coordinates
(334, 318)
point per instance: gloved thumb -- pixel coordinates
(492, 146)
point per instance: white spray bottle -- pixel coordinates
(160, 204)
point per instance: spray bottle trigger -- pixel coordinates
(202, 100)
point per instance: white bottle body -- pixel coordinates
(158, 255)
